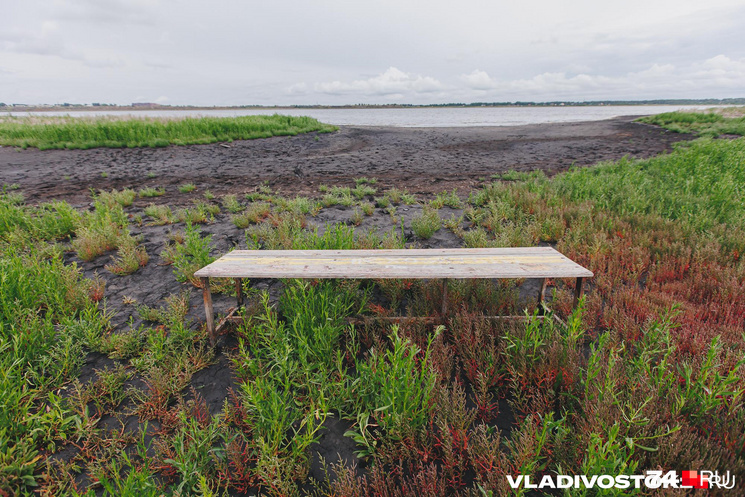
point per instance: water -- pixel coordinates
(416, 117)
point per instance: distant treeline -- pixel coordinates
(557, 103)
(706, 101)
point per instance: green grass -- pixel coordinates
(700, 183)
(427, 223)
(192, 255)
(711, 124)
(67, 132)
(47, 319)
(648, 373)
(149, 192)
(394, 390)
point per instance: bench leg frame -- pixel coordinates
(577, 292)
(209, 311)
(212, 330)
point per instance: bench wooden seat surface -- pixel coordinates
(521, 262)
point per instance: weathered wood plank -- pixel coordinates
(530, 262)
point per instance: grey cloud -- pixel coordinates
(393, 83)
(45, 41)
(329, 52)
(106, 11)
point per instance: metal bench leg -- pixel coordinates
(209, 313)
(444, 298)
(239, 291)
(542, 291)
(577, 292)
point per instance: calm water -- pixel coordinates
(420, 117)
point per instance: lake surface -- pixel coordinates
(416, 117)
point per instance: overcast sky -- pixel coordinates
(239, 52)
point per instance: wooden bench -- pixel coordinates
(493, 263)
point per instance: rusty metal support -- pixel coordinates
(208, 311)
(434, 320)
(577, 292)
(542, 292)
(239, 291)
(444, 298)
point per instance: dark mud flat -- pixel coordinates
(424, 160)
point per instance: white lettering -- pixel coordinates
(622, 481)
(546, 482)
(637, 480)
(609, 481)
(727, 482)
(589, 483)
(653, 479)
(565, 481)
(514, 483)
(670, 480)
(528, 484)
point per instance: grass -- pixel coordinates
(231, 204)
(254, 213)
(46, 320)
(129, 259)
(427, 223)
(394, 390)
(161, 214)
(700, 184)
(192, 255)
(68, 132)
(708, 124)
(649, 372)
(102, 230)
(123, 198)
(149, 192)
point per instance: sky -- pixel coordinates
(290, 52)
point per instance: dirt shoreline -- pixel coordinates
(424, 160)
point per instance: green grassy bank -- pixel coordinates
(729, 121)
(67, 132)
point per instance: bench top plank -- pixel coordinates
(513, 262)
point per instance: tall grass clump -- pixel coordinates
(290, 365)
(394, 390)
(701, 184)
(68, 132)
(50, 221)
(427, 223)
(47, 318)
(192, 255)
(101, 230)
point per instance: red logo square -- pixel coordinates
(693, 479)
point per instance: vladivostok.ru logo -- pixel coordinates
(650, 479)
(707, 479)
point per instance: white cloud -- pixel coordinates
(655, 81)
(106, 11)
(393, 82)
(723, 70)
(297, 89)
(44, 41)
(479, 80)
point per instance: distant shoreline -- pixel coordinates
(153, 106)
